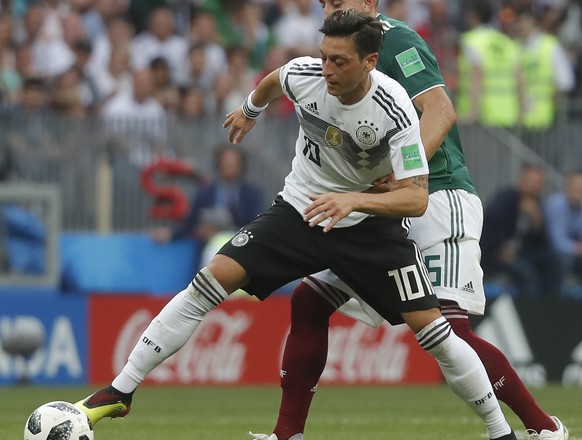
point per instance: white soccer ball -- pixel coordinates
(58, 421)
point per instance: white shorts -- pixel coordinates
(448, 235)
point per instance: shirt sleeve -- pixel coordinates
(291, 71)
(407, 58)
(407, 154)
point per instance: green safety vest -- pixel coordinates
(499, 95)
(539, 88)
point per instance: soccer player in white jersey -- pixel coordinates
(356, 125)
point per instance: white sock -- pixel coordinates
(465, 374)
(171, 329)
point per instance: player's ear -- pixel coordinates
(370, 5)
(370, 61)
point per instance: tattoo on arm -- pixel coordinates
(420, 181)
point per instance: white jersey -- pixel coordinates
(344, 148)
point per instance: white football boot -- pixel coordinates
(273, 436)
(559, 434)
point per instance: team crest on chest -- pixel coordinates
(334, 136)
(366, 132)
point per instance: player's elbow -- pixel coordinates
(449, 114)
(421, 208)
(419, 204)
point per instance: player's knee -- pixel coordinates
(420, 319)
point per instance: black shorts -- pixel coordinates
(373, 257)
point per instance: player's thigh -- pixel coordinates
(276, 248)
(448, 235)
(383, 268)
(329, 286)
(452, 215)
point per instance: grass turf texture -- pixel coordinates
(338, 413)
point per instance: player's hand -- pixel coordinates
(239, 125)
(330, 206)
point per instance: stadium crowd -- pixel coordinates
(202, 57)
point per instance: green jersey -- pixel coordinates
(407, 58)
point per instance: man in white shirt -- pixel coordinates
(138, 118)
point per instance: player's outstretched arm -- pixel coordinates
(242, 120)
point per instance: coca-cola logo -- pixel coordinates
(362, 354)
(214, 354)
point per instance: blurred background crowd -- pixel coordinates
(112, 101)
(200, 57)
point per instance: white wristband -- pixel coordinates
(250, 110)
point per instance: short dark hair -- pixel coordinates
(366, 31)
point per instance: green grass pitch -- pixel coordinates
(338, 413)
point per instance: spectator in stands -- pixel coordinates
(224, 205)
(165, 91)
(297, 30)
(253, 33)
(138, 118)
(116, 78)
(48, 30)
(515, 242)
(234, 84)
(161, 40)
(548, 72)
(87, 85)
(203, 33)
(223, 13)
(200, 72)
(118, 36)
(67, 95)
(24, 68)
(193, 103)
(564, 219)
(489, 71)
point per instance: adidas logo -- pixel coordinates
(468, 287)
(312, 108)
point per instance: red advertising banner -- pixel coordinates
(241, 342)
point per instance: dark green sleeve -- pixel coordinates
(407, 58)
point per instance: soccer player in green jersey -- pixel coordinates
(448, 235)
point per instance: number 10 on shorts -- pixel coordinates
(403, 277)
